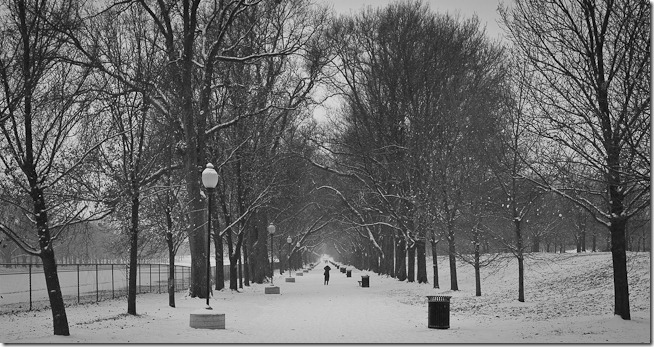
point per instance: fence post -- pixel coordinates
(97, 287)
(150, 282)
(78, 284)
(112, 281)
(159, 282)
(30, 270)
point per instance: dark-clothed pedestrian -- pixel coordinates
(327, 268)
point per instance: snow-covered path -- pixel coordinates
(342, 312)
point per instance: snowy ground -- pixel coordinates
(569, 299)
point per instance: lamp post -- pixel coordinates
(209, 180)
(289, 240)
(271, 231)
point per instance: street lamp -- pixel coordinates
(271, 231)
(289, 240)
(209, 180)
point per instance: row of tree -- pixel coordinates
(447, 135)
(112, 111)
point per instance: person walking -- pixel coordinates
(327, 268)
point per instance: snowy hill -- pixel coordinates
(556, 285)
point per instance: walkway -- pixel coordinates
(305, 312)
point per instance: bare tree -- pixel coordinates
(591, 62)
(44, 103)
(192, 39)
(132, 160)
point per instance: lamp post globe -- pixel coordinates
(209, 181)
(209, 177)
(271, 231)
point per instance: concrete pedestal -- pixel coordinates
(272, 290)
(290, 279)
(299, 274)
(207, 320)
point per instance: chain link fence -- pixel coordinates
(22, 286)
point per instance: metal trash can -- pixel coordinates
(343, 270)
(365, 281)
(439, 312)
(349, 273)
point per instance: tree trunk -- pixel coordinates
(477, 272)
(521, 278)
(452, 255)
(171, 272)
(392, 253)
(434, 260)
(519, 255)
(220, 262)
(246, 268)
(233, 273)
(535, 246)
(282, 266)
(619, 257)
(234, 258)
(618, 228)
(59, 318)
(240, 271)
(384, 262)
(197, 236)
(260, 259)
(422, 261)
(411, 274)
(133, 254)
(400, 258)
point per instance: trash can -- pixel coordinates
(342, 270)
(349, 273)
(439, 312)
(365, 281)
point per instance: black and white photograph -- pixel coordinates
(325, 172)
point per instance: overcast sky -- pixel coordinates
(486, 10)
